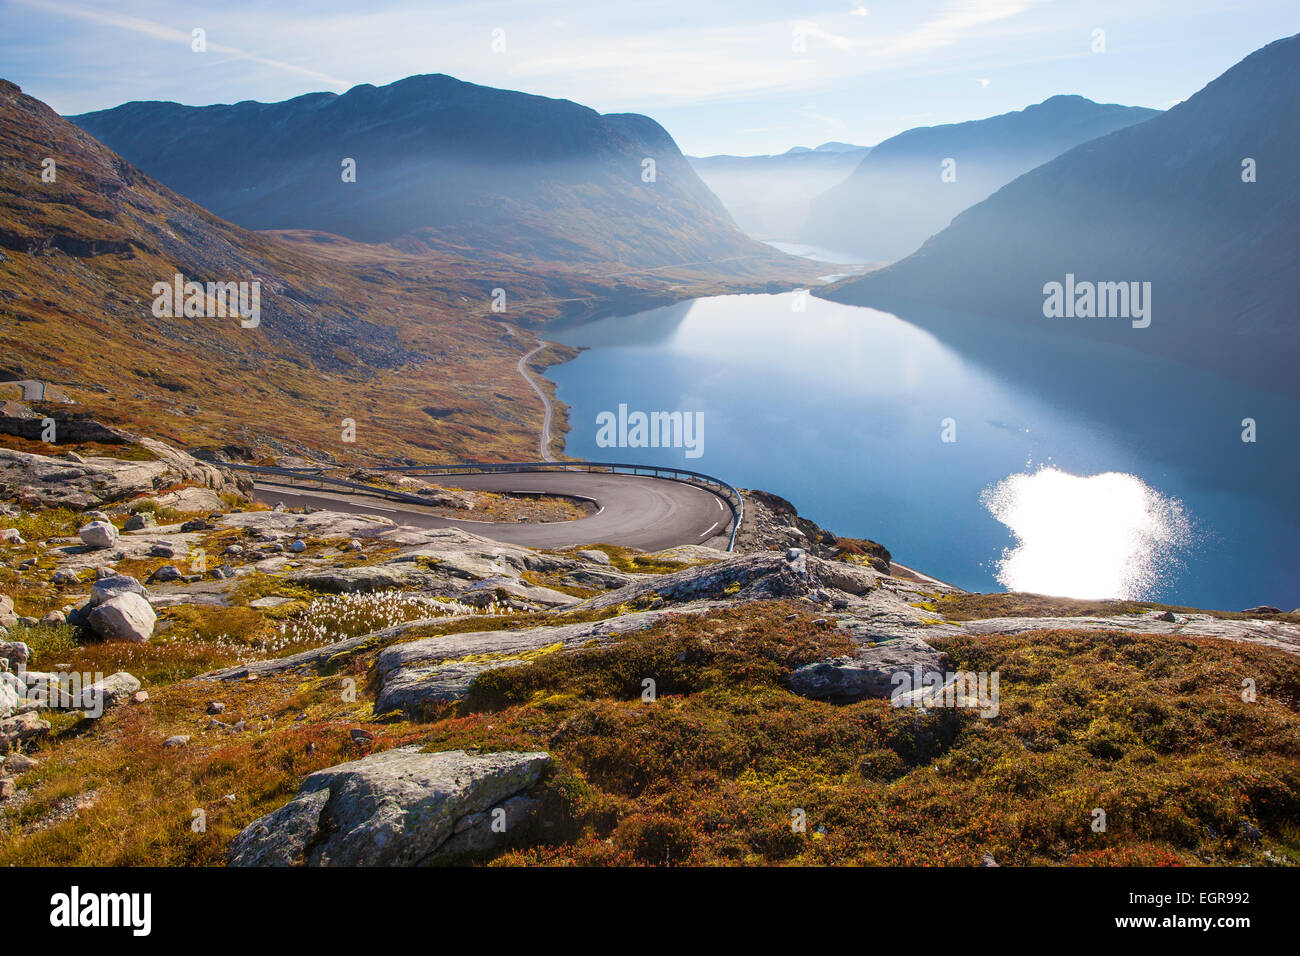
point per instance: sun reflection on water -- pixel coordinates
(1096, 536)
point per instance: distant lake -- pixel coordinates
(1073, 468)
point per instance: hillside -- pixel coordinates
(1163, 202)
(405, 344)
(440, 165)
(769, 196)
(896, 198)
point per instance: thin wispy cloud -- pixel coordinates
(160, 31)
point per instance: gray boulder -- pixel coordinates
(868, 673)
(396, 808)
(98, 534)
(110, 587)
(125, 617)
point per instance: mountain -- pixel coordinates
(404, 343)
(769, 196)
(440, 164)
(899, 196)
(1162, 202)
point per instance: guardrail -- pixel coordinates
(314, 474)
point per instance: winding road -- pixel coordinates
(632, 510)
(545, 440)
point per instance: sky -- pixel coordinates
(723, 77)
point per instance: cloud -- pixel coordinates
(159, 31)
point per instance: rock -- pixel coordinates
(7, 788)
(166, 574)
(165, 549)
(139, 697)
(23, 727)
(396, 808)
(599, 557)
(19, 763)
(598, 579)
(126, 617)
(9, 697)
(54, 618)
(1262, 609)
(988, 859)
(216, 707)
(104, 571)
(112, 690)
(65, 576)
(235, 549)
(360, 736)
(11, 536)
(98, 534)
(223, 573)
(138, 522)
(180, 740)
(868, 673)
(16, 653)
(110, 587)
(1167, 616)
(354, 545)
(298, 546)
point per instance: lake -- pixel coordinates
(987, 456)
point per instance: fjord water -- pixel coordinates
(1122, 475)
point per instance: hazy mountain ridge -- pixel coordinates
(770, 196)
(1162, 202)
(896, 198)
(438, 161)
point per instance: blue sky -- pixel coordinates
(721, 76)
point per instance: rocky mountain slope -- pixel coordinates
(769, 196)
(441, 164)
(903, 193)
(329, 688)
(1171, 202)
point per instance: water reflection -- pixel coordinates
(1095, 536)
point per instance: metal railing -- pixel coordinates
(314, 474)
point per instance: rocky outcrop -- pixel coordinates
(43, 481)
(435, 670)
(868, 673)
(398, 808)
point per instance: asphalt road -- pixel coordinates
(633, 511)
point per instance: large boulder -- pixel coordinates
(396, 808)
(110, 587)
(98, 534)
(124, 617)
(868, 673)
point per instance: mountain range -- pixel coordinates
(911, 185)
(770, 196)
(403, 342)
(440, 164)
(1202, 202)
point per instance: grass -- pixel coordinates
(974, 607)
(721, 763)
(1151, 729)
